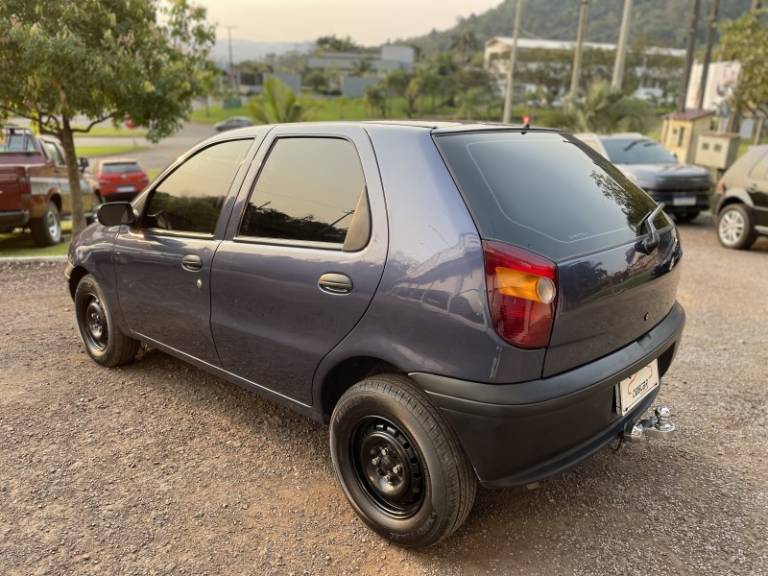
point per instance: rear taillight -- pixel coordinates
(522, 293)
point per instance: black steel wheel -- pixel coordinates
(103, 340)
(388, 466)
(399, 463)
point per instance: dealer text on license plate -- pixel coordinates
(636, 387)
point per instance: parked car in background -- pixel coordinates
(34, 187)
(683, 188)
(461, 303)
(120, 179)
(233, 123)
(742, 200)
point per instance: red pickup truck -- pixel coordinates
(34, 188)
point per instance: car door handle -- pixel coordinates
(192, 263)
(335, 283)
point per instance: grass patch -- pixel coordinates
(113, 132)
(95, 151)
(18, 244)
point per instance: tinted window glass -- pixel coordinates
(15, 143)
(190, 199)
(637, 151)
(120, 168)
(54, 153)
(308, 190)
(545, 191)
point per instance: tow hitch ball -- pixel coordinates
(658, 425)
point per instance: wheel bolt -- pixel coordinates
(376, 460)
(398, 469)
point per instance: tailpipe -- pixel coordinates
(658, 425)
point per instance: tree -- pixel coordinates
(412, 94)
(333, 43)
(376, 99)
(277, 104)
(746, 40)
(103, 60)
(465, 43)
(317, 81)
(396, 82)
(362, 67)
(605, 110)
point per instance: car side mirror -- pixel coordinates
(116, 214)
(83, 164)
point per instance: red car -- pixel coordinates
(120, 179)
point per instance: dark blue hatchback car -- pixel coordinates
(461, 303)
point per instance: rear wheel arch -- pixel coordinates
(77, 274)
(346, 374)
(56, 199)
(737, 197)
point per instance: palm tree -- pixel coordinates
(376, 98)
(464, 44)
(277, 104)
(606, 110)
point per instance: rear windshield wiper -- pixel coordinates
(634, 143)
(652, 241)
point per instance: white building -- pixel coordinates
(390, 57)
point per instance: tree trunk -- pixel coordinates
(73, 175)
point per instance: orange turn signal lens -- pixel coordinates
(523, 285)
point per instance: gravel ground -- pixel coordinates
(158, 468)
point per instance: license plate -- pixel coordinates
(126, 189)
(684, 201)
(637, 386)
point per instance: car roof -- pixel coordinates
(433, 126)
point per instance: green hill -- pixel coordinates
(654, 22)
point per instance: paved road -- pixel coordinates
(157, 156)
(158, 468)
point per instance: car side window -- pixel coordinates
(54, 153)
(190, 198)
(311, 190)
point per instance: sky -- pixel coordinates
(368, 22)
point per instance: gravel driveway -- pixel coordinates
(158, 468)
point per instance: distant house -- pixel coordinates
(658, 70)
(390, 57)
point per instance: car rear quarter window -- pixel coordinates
(190, 198)
(544, 191)
(310, 191)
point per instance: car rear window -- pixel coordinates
(120, 168)
(637, 151)
(544, 191)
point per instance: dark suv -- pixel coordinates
(459, 302)
(683, 188)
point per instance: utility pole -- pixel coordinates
(621, 47)
(707, 53)
(576, 72)
(688, 55)
(231, 62)
(512, 57)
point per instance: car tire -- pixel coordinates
(686, 217)
(46, 231)
(734, 227)
(399, 463)
(103, 340)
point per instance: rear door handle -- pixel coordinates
(192, 263)
(335, 283)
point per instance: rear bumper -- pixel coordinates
(519, 433)
(15, 218)
(668, 198)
